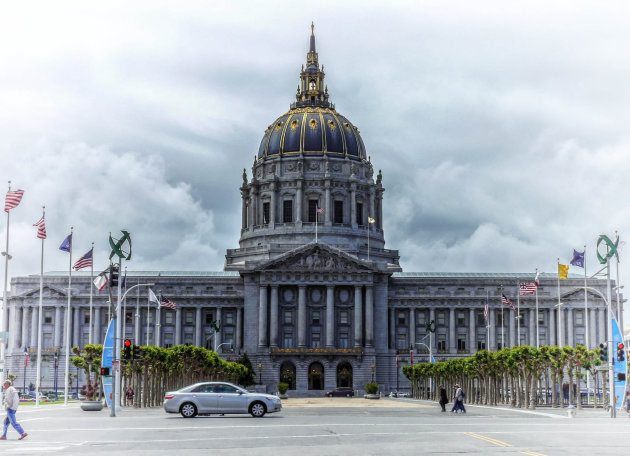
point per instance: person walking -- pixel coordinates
(11, 402)
(443, 398)
(458, 400)
(129, 396)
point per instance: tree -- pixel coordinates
(249, 377)
(89, 360)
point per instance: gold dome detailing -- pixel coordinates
(313, 124)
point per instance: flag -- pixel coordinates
(506, 301)
(25, 357)
(563, 271)
(485, 311)
(320, 210)
(527, 288)
(411, 357)
(66, 245)
(101, 280)
(153, 298)
(85, 261)
(536, 279)
(168, 304)
(41, 228)
(396, 360)
(371, 220)
(13, 199)
(578, 259)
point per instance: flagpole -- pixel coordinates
(39, 323)
(368, 230)
(588, 375)
(518, 314)
(137, 338)
(116, 402)
(67, 328)
(488, 322)
(3, 317)
(91, 292)
(617, 288)
(560, 338)
(148, 315)
(316, 217)
(537, 322)
(502, 341)
(124, 312)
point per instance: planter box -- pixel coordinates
(92, 406)
(372, 396)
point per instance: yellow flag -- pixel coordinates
(563, 270)
(371, 220)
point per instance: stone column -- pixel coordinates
(371, 226)
(239, 324)
(273, 316)
(272, 205)
(17, 324)
(472, 326)
(76, 323)
(551, 328)
(369, 316)
(392, 327)
(327, 203)
(601, 325)
(25, 316)
(432, 335)
(569, 326)
(244, 199)
(262, 316)
(562, 329)
(178, 326)
(330, 316)
(512, 328)
(412, 328)
(250, 212)
(217, 337)
(35, 316)
(493, 330)
(379, 215)
(593, 338)
(302, 316)
(532, 327)
(358, 317)
(353, 205)
(97, 334)
(452, 331)
(198, 341)
(298, 202)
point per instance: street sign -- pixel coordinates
(115, 365)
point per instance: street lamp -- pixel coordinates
(373, 368)
(260, 373)
(224, 343)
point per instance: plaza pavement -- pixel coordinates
(326, 426)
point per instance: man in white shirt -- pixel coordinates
(11, 402)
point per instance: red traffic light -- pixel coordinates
(127, 343)
(105, 371)
(620, 346)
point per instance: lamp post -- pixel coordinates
(56, 366)
(260, 373)
(373, 368)
(430, 360)
(225, 343)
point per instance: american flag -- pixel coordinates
(485, 311)
(85, 261)
(527, 288)
(13, 199)
(41, 228)
(320, 210)
(505, 300)
(168, 304)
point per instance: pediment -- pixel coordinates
(47, 292)
(315, 257)
(578, 294)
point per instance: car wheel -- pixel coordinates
(188, 410)
(257, 409)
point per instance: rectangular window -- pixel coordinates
(189, 317)
(188, 339)
(481, 342)
(359, 214)
(441, 318)
(523, 339)
(402, 318)
(315, 340)
(541, 317)
(287, 211)
(499, 344)
(169, 317)
(288, 317)
(312, 210)
(343, 340)
(128, 317)
(338, 212)
(209, 318)
(579, 318)
(315, 317)
(266, 209)
(229, 318)
(401, 341)
(461, 319)
(521, 318)
(48, 316)
(579, 339)
(150, 317)
(168, 340)
(421, 318)
(287, 341)
(47, 341)
(441, 342)
(343, 317)
(86, 318)
(228, 337)
(480, 317)
(461, 341)
(500, 318)
(542, 339)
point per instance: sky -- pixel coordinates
(501, 128)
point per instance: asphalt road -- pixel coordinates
(396, 426)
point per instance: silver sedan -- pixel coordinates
(219, 398)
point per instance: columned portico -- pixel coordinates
(358, 317)
(330, 316)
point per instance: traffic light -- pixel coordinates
(104, 371)
(114, 272)
(620, 353)
(127, 349)
(621, 376)
(603, 353)
(136, 352)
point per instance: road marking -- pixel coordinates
(527, 412)
(488, 439)
(533, 453)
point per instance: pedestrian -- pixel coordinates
(458, 400)
(129, 396)
(11, 402)
(443, 398)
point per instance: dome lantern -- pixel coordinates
(312, 88)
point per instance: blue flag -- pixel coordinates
(578, 259)
(66, 244)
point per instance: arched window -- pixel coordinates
(316, 376)
(287, 374)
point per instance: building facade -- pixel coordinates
(311, 293)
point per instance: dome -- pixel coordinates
(312, 131)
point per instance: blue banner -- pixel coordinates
(108, 355)
(620, 366)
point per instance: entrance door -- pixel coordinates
(287, 374)
(344, 375)
(316, 377)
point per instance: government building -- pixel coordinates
(311, 294)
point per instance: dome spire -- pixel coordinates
(312, 90)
